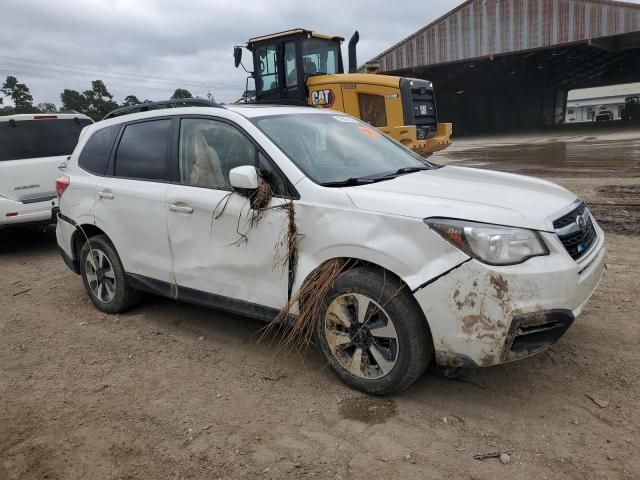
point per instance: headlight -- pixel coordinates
(492, 244)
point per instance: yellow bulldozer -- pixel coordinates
(301, 66)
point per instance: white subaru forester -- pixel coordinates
(458, 266)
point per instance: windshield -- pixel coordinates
(338, 148)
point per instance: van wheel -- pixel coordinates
(103, 276)
(372, 333)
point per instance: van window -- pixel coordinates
(39, 138)
(142, 152)
(95, 154)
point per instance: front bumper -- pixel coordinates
(406, 134)
(482, 315)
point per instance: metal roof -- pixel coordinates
(295, 31)
(484, 28)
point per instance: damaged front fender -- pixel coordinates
(481, 315)
(402, 245)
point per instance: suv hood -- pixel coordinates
(466, 193)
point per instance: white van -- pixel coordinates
(31, 148)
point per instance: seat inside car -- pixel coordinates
(203, 162)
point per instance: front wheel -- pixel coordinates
(372, 333)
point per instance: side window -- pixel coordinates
(267, 74)
(142, 152)
(290, 64)
(95, 154)
(272, 175)
(209, 149)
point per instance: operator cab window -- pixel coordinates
(320, 56)
(142, 152)
(290, 64)
(267, 68)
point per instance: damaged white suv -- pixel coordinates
(458, 266)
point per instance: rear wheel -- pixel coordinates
(372, 333)
(104, 278)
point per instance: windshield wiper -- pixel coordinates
(354, 181)
(396, 173)
(350, 182)
(403, 170)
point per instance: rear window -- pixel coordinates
(39, 138)
(95, 153)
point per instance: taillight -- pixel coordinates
(61, 185)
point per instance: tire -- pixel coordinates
(115, 295)
(389, 337)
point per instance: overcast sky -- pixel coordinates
(149, 48)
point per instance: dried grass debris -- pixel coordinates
(298, 329)
(260, 201)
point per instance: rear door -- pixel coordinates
(30, 152)
(130, 199)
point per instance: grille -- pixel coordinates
(570, 217)
(576, 238)
(372, 109)
(424, 111)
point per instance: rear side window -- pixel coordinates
(95, 154)
(39, 138)
(142, 152)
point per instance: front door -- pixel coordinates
(217, 248)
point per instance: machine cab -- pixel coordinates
(282, 62)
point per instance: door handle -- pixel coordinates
(180, 208)
(106, 194)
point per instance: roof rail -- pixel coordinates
(177, 102)
(292, 102)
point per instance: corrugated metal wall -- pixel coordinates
(481, 28)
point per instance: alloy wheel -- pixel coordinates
(100, 276)
(361, 336)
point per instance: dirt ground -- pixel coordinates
(175, 391)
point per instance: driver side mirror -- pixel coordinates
(243, 178)
(237, 55)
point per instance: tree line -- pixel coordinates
(95, 102)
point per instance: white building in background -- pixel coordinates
(584, 103)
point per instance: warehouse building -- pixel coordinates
(509, 64)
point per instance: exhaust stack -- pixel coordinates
(353, 61)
